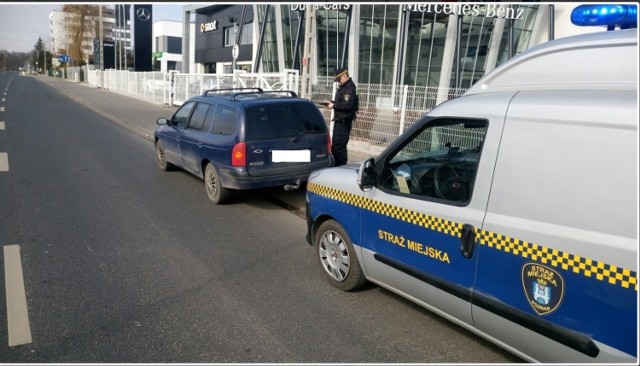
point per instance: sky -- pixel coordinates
(22, 23)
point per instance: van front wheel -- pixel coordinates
(337, 257)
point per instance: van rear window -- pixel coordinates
(283, 120)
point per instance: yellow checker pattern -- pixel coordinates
(593, 269)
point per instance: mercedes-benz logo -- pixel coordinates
(143, 14)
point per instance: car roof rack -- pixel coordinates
(290, 93)
(246, 91)
(216, 91)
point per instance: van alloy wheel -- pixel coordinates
(334, 255)
(337, 257)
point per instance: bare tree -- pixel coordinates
(84, 22)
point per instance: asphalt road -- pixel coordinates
(124, 263)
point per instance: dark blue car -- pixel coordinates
(237, 139)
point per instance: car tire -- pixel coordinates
(337, 257)
(212, 185)
(161, 157)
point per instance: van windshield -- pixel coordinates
(283, 120)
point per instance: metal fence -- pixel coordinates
(386, 111)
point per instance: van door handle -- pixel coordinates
(467, 240)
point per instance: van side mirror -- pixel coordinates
(366, 174)
(162, 121)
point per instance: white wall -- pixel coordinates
(167, 28)
(563, 25)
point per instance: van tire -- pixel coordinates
(337, 257)
(212, 185)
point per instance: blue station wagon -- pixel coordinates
(239, 139)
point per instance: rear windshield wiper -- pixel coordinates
(307, 132)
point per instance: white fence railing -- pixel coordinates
(386, 111)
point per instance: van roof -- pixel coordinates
(602, 60)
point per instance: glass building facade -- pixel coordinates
(448, 45)
(404, 58)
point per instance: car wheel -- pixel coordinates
(215, 191)
(337, 257)
(161, 157)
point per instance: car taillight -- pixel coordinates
(239, 155)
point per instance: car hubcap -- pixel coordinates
(334, 255)
(160, 155)
(211, 184)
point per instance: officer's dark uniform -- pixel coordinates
(344, 109)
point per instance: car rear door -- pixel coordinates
(285, 137)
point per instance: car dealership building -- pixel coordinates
(442, 45)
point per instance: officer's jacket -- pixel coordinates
(344, 103)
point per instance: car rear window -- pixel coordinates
(283, 120)
(225, 121)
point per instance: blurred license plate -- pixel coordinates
(291, 156)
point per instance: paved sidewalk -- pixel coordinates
(136, 115)
(139, 117)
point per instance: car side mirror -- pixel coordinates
(162, 121)
(366, 174)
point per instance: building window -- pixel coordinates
(378, 31)
(475, 40)
(230, 35)
(269, 57)
(290, 22)
(174, 45)
(425, 45)
(522, 29)
(330, 27)
(169, 44)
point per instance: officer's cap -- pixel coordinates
(340, 71)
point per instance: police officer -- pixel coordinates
(343, 105)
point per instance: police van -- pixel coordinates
(512, 211)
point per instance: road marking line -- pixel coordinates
(17, 314)
(4, 162)
(1, 125)
(1, 109)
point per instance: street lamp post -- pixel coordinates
(44, 50)
(101, 77)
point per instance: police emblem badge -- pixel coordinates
(543, 287)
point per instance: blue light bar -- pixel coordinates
(610, 15)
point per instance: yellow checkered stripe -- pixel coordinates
(614, 275)
(593, 269)
(409, 216)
